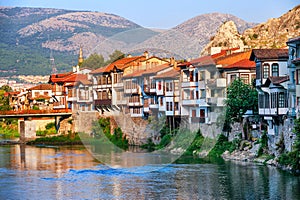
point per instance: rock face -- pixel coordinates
(272, 34)
(226, 37)
(275, 32)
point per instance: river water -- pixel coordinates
(29, 172)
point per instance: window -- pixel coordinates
(194, 113)
(159, 85)
(266, 68)
(245, 78)
(232, 77)
(169, 86)
(201, 76)
(192, 94)
(298, 76)
(281, 100)
(176, 106)
(267, 101)
(275, 69)
(191, 76)
(169, 106)
(161, 101)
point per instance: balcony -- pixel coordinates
(121, 102)
(216, 83)
(218, 101)
(132, 91)
(155, 106)
(298, 90)
(103, 102)
(190, 102)
(118, 85)
(134, 104)
(189, 84)
(202, 85)
(197, 120)
(58, 105)
(153, 90)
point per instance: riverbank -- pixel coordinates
(250, 155)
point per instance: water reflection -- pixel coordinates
(50, 158)
(28, 172)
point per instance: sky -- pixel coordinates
(166, 14)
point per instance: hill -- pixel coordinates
(28, 35)
(271, 34)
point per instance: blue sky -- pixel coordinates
(168, 13)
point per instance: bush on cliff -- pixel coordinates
(293, 158)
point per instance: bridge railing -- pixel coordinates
(20, 112)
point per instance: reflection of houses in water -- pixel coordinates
(49, 159)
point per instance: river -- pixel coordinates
(70, 172)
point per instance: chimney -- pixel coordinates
(173, 62)
(146, 54)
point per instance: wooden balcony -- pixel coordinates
(103, 102)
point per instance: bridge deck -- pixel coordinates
(35, 113)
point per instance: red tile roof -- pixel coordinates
(120, 64)
(264, 54)
(276, 80)
(150, 71)
(233, 58)
(242, 64)
(173, 73)
(42, 87)
(203, 61)
(71, 78)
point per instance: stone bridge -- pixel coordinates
(26, 123)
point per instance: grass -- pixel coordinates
(57, 140)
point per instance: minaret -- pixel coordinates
(80, 57)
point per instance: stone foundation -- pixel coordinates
(82, 121)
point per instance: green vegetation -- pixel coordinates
(240, 98)
(9, 128)
(95, 61)
(292, 158)
(49, 130)
(4, 101)
(263, 141)
(101, 131)
(57, 140)
(223, 145)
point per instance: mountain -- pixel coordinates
(275, 32)
(189, 38)
(29, 35)
(271, 34)
(227, 36)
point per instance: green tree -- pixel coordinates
(6, 88)
(240, 98)
(94, 61)
(116, 55)
(4, 100)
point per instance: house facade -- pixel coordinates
(272, 84)
(294, 73)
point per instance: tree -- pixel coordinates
(94, 61)
(4, 100)
(240, 98)
(6, 88)
(116, 55)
